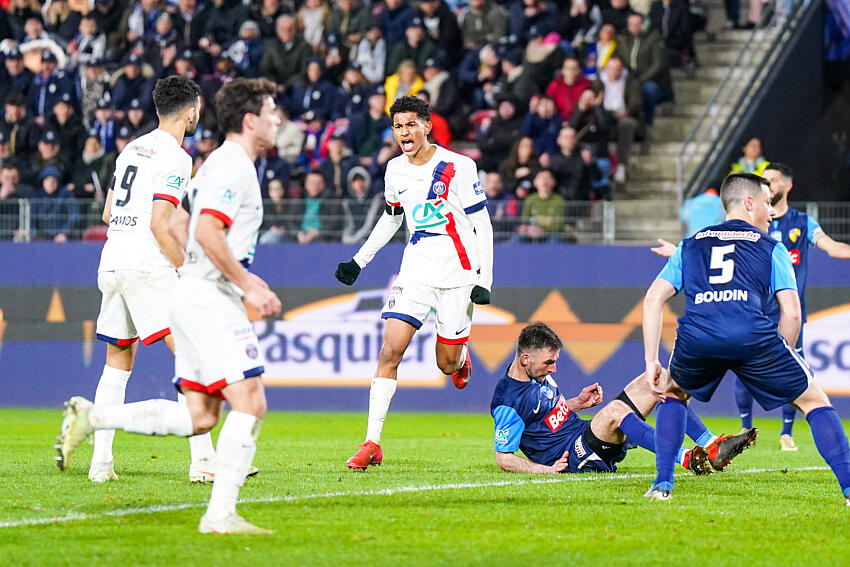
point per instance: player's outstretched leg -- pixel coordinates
(642, 434)
(786, 441)
(744, 400)
(723, 449)
(110, 391)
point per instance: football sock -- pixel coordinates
(788, 413)
(151, 417)
(696, 429)
(638, 432)
(380, 395)
(670, 421)
(744, 399)
(462, 356)
(200, 446)
(110, 392)
(237, 444)
(831, 442)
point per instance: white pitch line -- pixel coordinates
(75, 516)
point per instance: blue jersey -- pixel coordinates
(533, 417)
(797, 230)
(729, 273)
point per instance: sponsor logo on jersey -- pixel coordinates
(558, 415)
(720, 296)
(795, 256)
(429, 215)
(225, 194)
(502, 436)
(174, 181)
(477, 188)
(748, 235)
(794, 234)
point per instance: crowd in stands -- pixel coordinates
(549, 96)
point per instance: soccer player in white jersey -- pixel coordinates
(447, 265)
(137, 271)
(217, 355)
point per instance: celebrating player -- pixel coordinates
(730, 273)
(530, 414)
(217, 354)
(447, 265)
(137, 266)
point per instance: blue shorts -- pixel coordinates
(584, 459)
(773, 372)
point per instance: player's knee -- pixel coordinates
(446, 364)
(203, 422)
(612, 415)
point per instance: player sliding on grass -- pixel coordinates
(531, 415)
(447, 266)
(731, 275)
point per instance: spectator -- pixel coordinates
(478, 75)
(366, 129)
(529, 13)
(372, 54)
(572, 167)
(270, 167)
(164, 45)
(641, 51)
(53, 209)
(405, 82)
(318, 217)
(336, 166)
(129, 84)
(444, 95)
(93, 83)
(441, 133)
(521, 167)
(14, 77)
(317, 133)
(274, 211)
(671, 19)
(496, 142)
(313, 19)
(483, 22)
(7, 158)
(123, 136)
(361, 208)
(353, 94)
(138, 21)
(752, 161)
(105, 124)
(515, 81)
(501, 205)
(566, 88)
(387, 150)
(598, 53)
(109, 15)
(594, 126)
(206, 145)
(222, 25)
(247, 51)
(285, 56)
(617, 14)
(542, 125)
(93, 172)
(11, 190)
(580, 23)
(622, 99)
(88, 42)
(349, 19)
(47, 87)
(34, 30)
(314, 93)
(543, 56)
(48, 154)
(190, 19)
(543, 212)
(139, 119)
(22, 131)
(335, 61)
(290, 138)
(69, 127)
(19, 12)
(441, 27)
(416, 47)
(223, 72)
(701, 211)
(394, 17)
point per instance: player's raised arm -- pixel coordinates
(832, 247)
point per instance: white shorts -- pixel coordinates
(412, 302)
(214, 341)
(134, 304)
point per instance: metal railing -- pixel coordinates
(712, 132)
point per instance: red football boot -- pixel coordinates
(369, 453)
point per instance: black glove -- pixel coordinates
(479, 295)
(347, 272)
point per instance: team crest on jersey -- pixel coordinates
(429, 215)
(502, 436)
(174, 181)
(439, 188)
(477, 188)
(252, 352)
(776, 235)
(225, 194)
(794, 234)
(546, 391)
(391, 302)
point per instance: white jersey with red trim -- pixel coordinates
(437, 198)
(226, 187)
(151, 167)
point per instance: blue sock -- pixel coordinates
(696, 429)
(788, 412)
(670, 421)
(744, 399)
(831, 442)
(638, 431)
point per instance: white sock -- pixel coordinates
(200, 446)
(151, 417)
(237, 444)
(462, 357)
(380, 395)
(110, 392)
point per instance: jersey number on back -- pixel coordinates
(127, 184)
(720, 262)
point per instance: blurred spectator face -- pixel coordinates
(62, 111)
(357, 185)
(224, 66)
(586, 99)
(314, 71)
(184, 67)
(567, 140)
(430, 72)
(148, 5)
(634, 24)
(92, 72)
(285, 29)
(606, 34)
(33, 27)
(163, 24)
(476, 4)
(506, 110)
(345, 5)
(92, 145)
(546, 108)
(135, 116)
(47, 67)
(187, 6)
(314, 184)
(5, 150)
(619, 4)
(47, 150)
(570, 70)
(429, 7)
(131, 70)
(270, 6)
(488, 56)
(336, 146)
(14, 66)
(493, 184)
(50, 184)
(414, 34)
(88, 26)
(276, 190)
(373, 34)
(544, 182)
(525, 148)
(312, 4)
(614, 69)
(9, 177)
(377, 103)
(752, 150)
(102, 115)
(353, 77)
(121, 143)
(407, 73)
(14, 112)
(393, 4)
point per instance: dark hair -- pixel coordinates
(411, 104)
(240, 97)
(173, 94)
(737, 185)
(537, 336)
(781, 168)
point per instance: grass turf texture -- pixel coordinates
(404, 512)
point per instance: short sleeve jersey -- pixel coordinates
(797, 230)
(437, 198)
(226, 187)
(729, 273)
(151, 167)
(533, 417)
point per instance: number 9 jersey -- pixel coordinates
(151, 167)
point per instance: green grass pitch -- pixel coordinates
(438, 499)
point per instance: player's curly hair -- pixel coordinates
(240, 97)
(173, 94)
(537, 336)
(411, 104)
